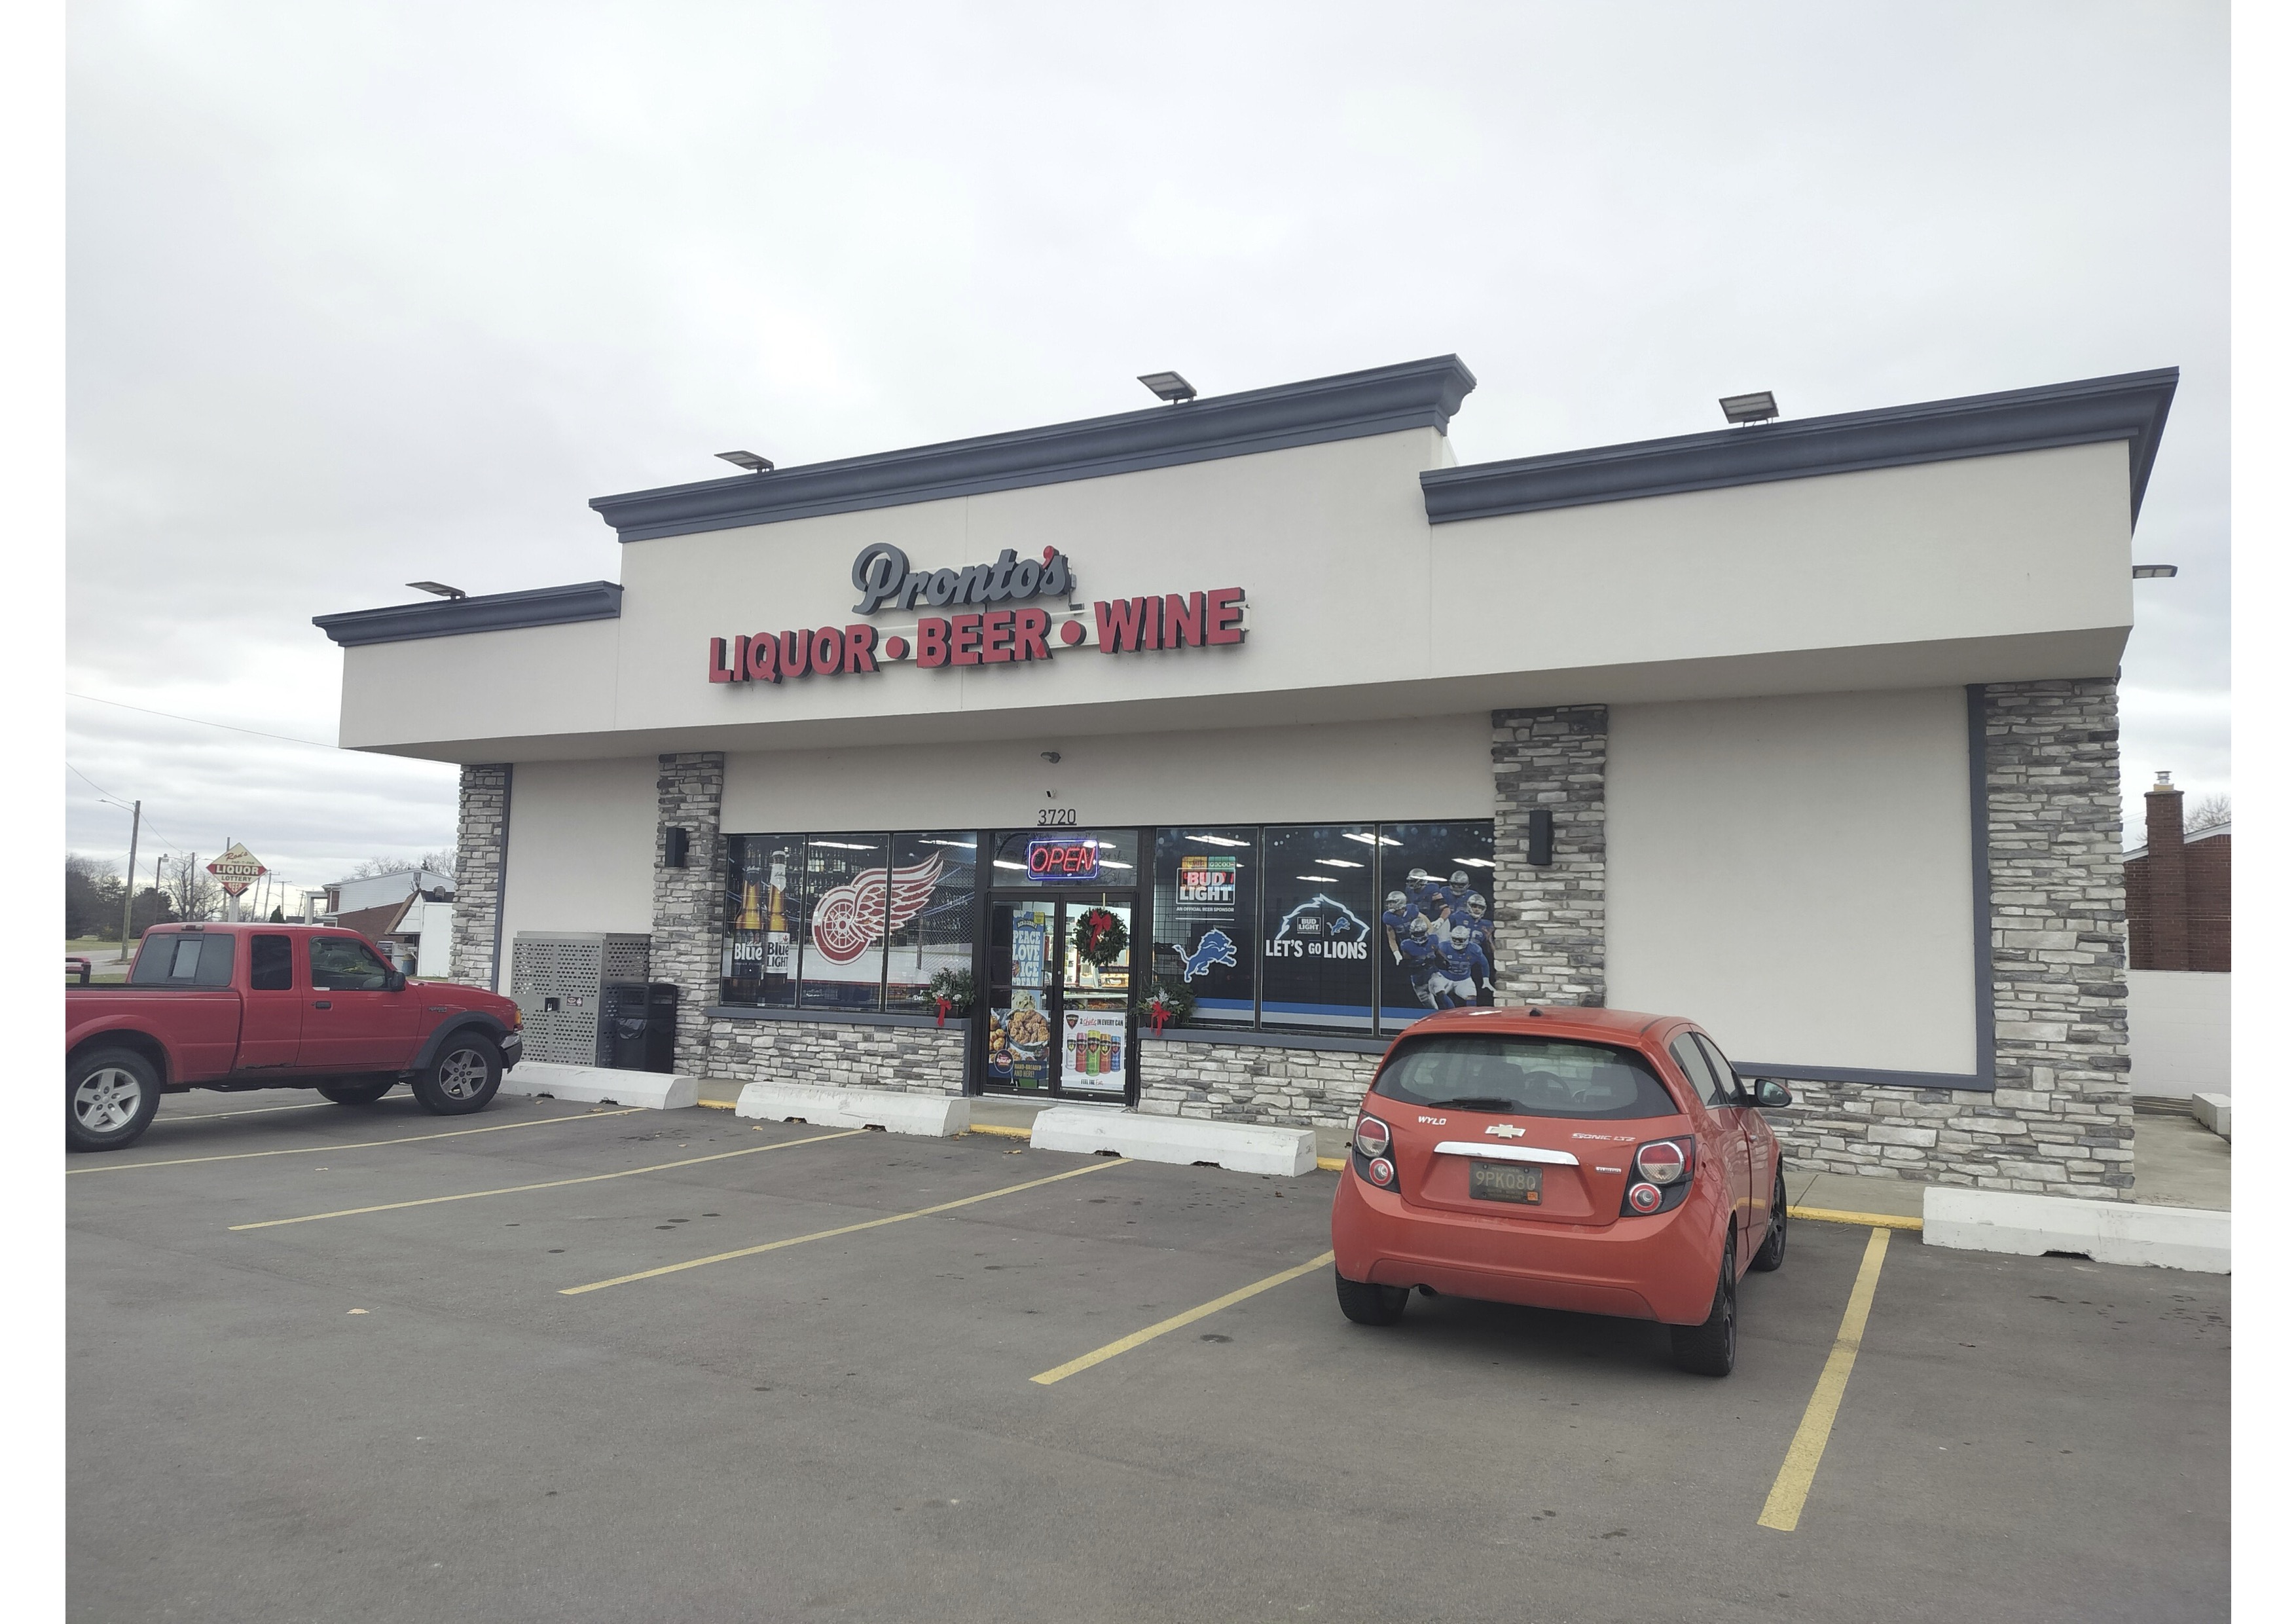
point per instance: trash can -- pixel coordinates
(638, 1026)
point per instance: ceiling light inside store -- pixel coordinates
(1475, 862)
(1338, 863)
(1214, 839)
(1319, 879)
(1759, 406)
(1168, 386)
(1366, 840)
(843, 845)
(1023, 867)
(960, 845)
(1112, 863)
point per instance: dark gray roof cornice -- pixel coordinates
(1413, 395)
(498, 611)
(2132, 407)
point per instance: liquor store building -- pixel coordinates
(1176, 760)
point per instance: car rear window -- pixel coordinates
(182, 958)
(1524, 1076)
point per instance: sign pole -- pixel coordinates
(127, 909)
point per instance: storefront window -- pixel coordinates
(1115, 854)
(1317, 917)
(1207, 909)
(1437, 947)
(841, 925)
(931, 908)
(759, 963)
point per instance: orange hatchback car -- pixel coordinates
(1591, 1160)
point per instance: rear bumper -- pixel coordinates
(1660, 1267)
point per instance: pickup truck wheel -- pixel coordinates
(463, 1078)
(110, 1096)
(357, 1091)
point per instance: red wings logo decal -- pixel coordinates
(847, 919)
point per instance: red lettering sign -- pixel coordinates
(932, 641)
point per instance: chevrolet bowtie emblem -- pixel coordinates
(1503, 1130)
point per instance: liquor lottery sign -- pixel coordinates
(1011, 627)
(237, 869)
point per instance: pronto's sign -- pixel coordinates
(237, 869)
(1026, 632)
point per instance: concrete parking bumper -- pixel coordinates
(936, 1116)
(2103, 1232)
(1183, 1141)
(602, 1084)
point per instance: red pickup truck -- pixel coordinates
(234, 1006)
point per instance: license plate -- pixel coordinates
(1502, 1181)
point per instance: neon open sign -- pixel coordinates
(1063, 862)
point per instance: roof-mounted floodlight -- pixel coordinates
(1758, 407)
(749, 460)
(439, 588)
(2154, 572)
(1169, 385)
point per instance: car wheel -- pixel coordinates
(110, 1098)
(463, 1078)
(1369, 1305)
(358, 1090)
(1711, 1350)
(1774, 1244)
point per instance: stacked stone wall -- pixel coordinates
(481, 828)
(689, 903)
(1550, 920)
(905, 1059)
(1247, 1083)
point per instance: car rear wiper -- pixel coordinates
(1478, 1102)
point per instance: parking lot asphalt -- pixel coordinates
(415, 1411)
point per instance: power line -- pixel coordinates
(100, 790)
(203, 722)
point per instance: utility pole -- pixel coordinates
(127, 909)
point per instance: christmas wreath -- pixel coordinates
(1165, 1004)
(1100, 938)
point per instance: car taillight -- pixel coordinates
(1661, 1181)
(1371, 1137)
(1381, 1171)
(1661, 1162)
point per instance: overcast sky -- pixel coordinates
(362, 294)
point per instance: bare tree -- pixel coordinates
(2208, 811)
(192, 891)
(437, 862)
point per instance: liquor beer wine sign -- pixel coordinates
(1009, 628)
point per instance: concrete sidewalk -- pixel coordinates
(2179, 1163)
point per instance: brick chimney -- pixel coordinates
(2164, 861)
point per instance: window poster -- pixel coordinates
(1020, 1042)
(1092, 1050)
(1204, 894)
(1316, 923)
(1206, 887)
(1437, 942)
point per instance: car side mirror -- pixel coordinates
(393, 982)
(1769, 1091)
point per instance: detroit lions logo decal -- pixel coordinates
(1214, 949)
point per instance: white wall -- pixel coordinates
(2179, 1032)
(1794, 874)
(1430, 768)
(581, 846)
(1981, 568)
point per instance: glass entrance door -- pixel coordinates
(1096, 1018)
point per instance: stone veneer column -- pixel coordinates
(481, 840)
(2059, 941)
(689, 903)
(1550, 920)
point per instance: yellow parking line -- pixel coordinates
(825, 1235)
(998, 1131)
(1782, 1510)
(550, 1184)
(1862, 1220)
(1331, 1164)
(356, 1144)
(1125, 1344)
